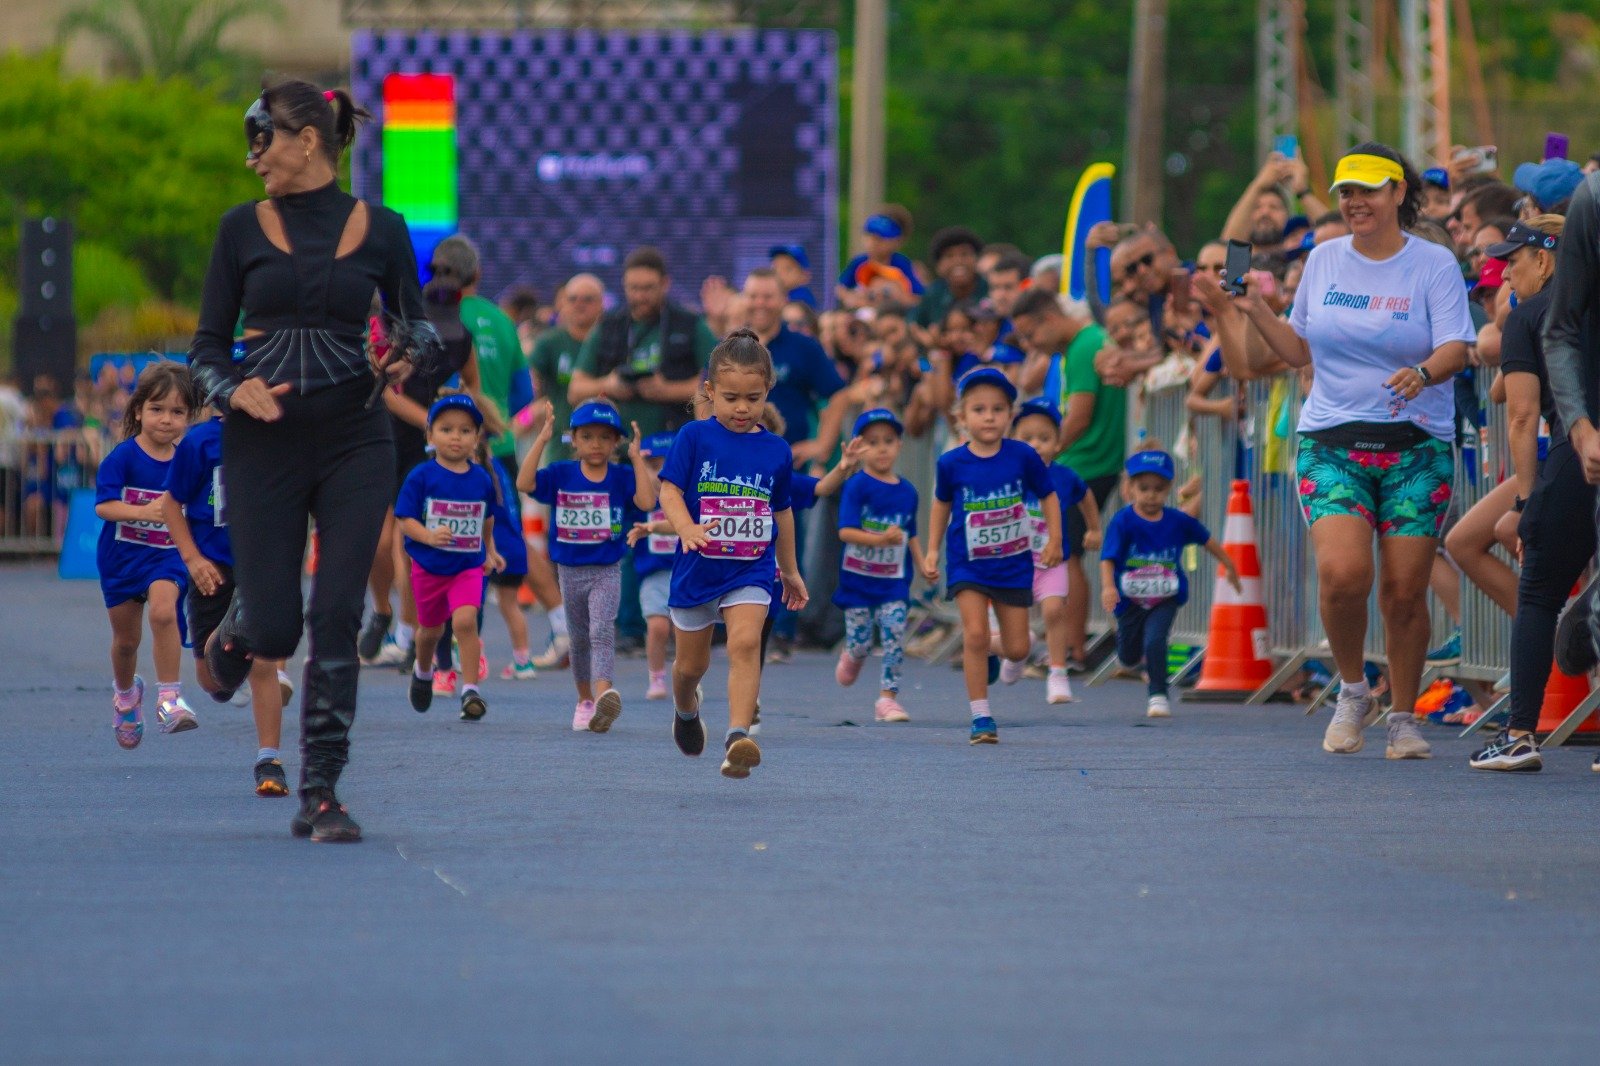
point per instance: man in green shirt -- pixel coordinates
(647, 357)
(502, 372)
(1094, 425)
(555, 353)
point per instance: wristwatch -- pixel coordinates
(1422, 371)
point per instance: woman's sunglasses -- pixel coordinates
(1147, 259)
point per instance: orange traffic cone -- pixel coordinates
(1562, 693)
(1236, 662)
(533, 534)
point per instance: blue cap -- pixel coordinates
(1038, 406)
(882, 226)
(1151, 462)
(797, 252)
(458, 402)
(595, 413)
(986, 375)
(1307, 242)
(877, 414)
(1437, 176)
(657, 444)
(1549, 182)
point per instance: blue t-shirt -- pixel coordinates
(195, 480)
(587, 518)
(508, 524)
(988, 541)
(133, 555)
(734, 484)
(461, 503)
(999, 355)
(805, 375)
(1070, 491)
(802, 294)
(1146, 555)
(858, 272)
(869, 576)
(655, 552)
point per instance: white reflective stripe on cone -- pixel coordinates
(1249, 597)
(1239, 529)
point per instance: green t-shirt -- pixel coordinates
(494, 338)
(645, 358)
(1103, 446)
(555, 353)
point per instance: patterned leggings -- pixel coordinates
(591, 595)
(891, 619)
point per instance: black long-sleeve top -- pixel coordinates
(312, 306)
(1572, 325)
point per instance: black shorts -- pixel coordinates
(504, 580)
(1101, 489)
(205, 612)
(1004, 597)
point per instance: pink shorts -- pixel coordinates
(1051, 582)
(440, 596)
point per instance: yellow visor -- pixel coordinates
(1368, 171)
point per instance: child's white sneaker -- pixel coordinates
(1157, 708)
(1058, 689)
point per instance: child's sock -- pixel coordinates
(558, 621)
(125, 696)
(422, 675)
(263, 754)
(1058, 671)
(168, 690)
(688, 716)
(1354, 688)
(734, 734)
(521, 656)
(658, 675)
(404, 635)
(466, 688)
(980, 708)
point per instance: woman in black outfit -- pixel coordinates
(302, 440)
(1557, 505)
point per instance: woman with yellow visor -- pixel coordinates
(1381, 318)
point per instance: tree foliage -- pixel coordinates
(167, 38)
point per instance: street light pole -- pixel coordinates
(868, 75)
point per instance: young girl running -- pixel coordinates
(877, 523)
(446, 512)
(987, 482)
(589, 497)
(1038, 425)
(725, 489)
(197, 516)
(137, 557)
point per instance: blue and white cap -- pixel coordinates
(595, 413)
(1150, 462)
(458, 402)
(1038, 406)
(877, 414)
(986, 375)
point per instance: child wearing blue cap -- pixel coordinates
(793, 267)
(1038, 425)
(878, 525)
(882, 262)
(1141, 578)
(589, 498)
(445, 511)
(513, 548)
(986, 482)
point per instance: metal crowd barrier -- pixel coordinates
(38, 473)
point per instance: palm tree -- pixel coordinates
(166, 38)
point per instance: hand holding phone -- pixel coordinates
(1235, 267)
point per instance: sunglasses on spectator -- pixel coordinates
(1147, 259)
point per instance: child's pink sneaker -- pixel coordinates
(444, 682)
(888, 709)
(848, 670)
(1058, 689)
(582, 716)
(658, 686)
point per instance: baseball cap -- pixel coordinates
(1038, 406)
(882, 226)
(986, 375)
(1367, 171)
(594, 413)
(458, 402)
(1150, 462)
(1491, 275)
(657, 444)
(1549, 182)
(797, 252)
(1521, 236)
(1437, 176)
(877, 414)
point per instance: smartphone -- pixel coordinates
(1235, 267)
(1555, 146)
(1178, 287)
(1287, 146)
(1485, 158)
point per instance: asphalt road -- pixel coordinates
(1095, 888)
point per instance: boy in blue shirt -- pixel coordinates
(1141, 574)
(793, 267)
(882, 261)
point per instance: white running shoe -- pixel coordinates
(1158, 707)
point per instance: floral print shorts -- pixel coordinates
(1401, 493)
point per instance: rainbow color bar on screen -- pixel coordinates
(419, 156)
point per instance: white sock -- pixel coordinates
(421, 674)
(980, 708)
(1354, 688)
(558, 621)
(404, 635)
(1058, 671)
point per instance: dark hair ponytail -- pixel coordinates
(1411, 206)
(333, 114)
(742, 349)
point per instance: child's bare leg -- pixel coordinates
(658, 628)
(689, 666)
(1015, 639)
(127, 627)
(974, 608)
(266, 702)
(427, 642)
(465, 620)
(165, 642)
(1054, 610)
(743, 623)
(511, 612)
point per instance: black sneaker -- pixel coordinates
(473, 706)
(226, 656)
(372, 634)
(1575, 652)
(323, 818)
(740, 756)
(690, 736)
(421, 693)
(269, 778)
(1505, 752)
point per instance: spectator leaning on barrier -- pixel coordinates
(1381, 316)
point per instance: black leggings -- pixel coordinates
(1558, 541)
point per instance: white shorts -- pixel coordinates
(653, 592)
(694, 619)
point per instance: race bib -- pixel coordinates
(150, 534)
(219, 516)
(464, 521)
(997, 532)
(740, 527)
(880, 560)
(661, 543)
(583, 517)
(1148, 585)
(1038, 532)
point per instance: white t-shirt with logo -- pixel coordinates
(1366, 318)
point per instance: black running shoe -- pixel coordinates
(473, 706)
(323, 818)
(1575, 652)
(421, 693)
(269, 778)
(1508, 753)
(226, 656)
(690, 736)
(372, 634)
